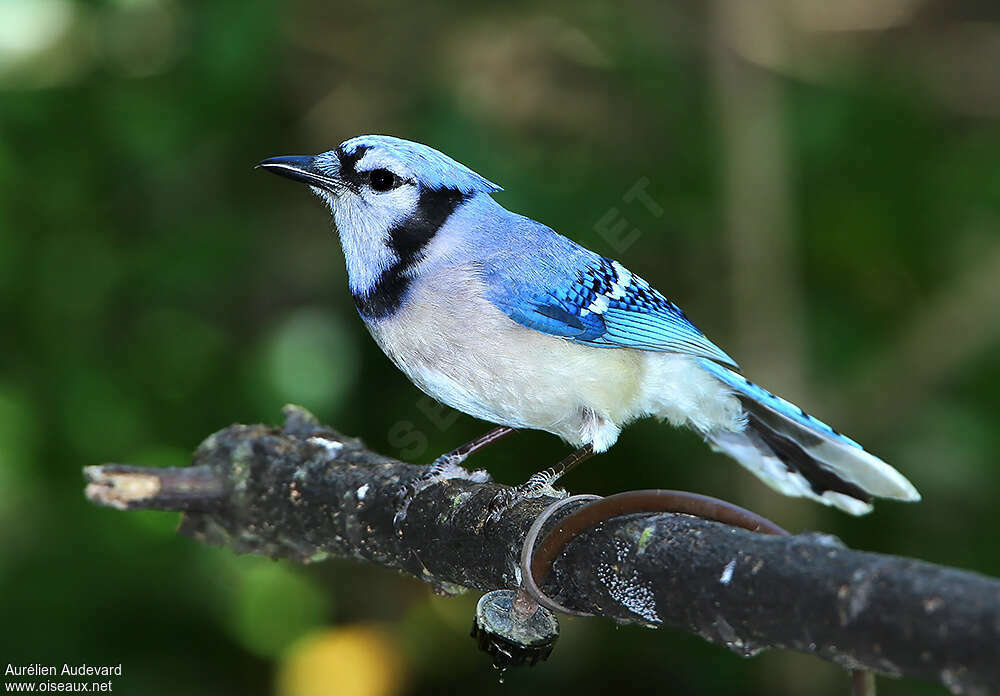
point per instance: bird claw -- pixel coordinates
(444, 468)
(508, 498)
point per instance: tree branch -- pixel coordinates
(306, 493)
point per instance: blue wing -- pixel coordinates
(597, 302)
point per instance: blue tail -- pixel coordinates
(799, 455)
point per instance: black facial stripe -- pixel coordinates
(796, 459)
(348, 162)
(434, 208)
(408, 240)
(384, 299)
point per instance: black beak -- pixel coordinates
(302, 169)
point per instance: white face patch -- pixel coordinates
(364, 220)
(377, 158)
(395, 204)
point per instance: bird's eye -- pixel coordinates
(382, 180)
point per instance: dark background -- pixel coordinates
(826, 177)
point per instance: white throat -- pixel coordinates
(364, 228)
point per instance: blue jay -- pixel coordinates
(500, 317)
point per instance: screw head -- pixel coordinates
(510, 642)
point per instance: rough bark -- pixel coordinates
(306, 493)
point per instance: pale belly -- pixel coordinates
(460, 349)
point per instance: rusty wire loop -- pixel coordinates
(528, 584)
(535, 565)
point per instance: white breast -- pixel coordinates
(459, 348)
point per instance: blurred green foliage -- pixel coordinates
(154, 288)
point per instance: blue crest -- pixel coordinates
(431, 168)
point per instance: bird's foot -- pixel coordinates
(537, 486)
(444, 468)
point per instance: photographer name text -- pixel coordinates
(67, 670)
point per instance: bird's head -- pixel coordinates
(389, 197)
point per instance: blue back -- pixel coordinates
(551, 284)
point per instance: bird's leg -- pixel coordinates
(447, 462)
(538, 484)
(448, 466)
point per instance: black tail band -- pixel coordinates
(798, 460)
